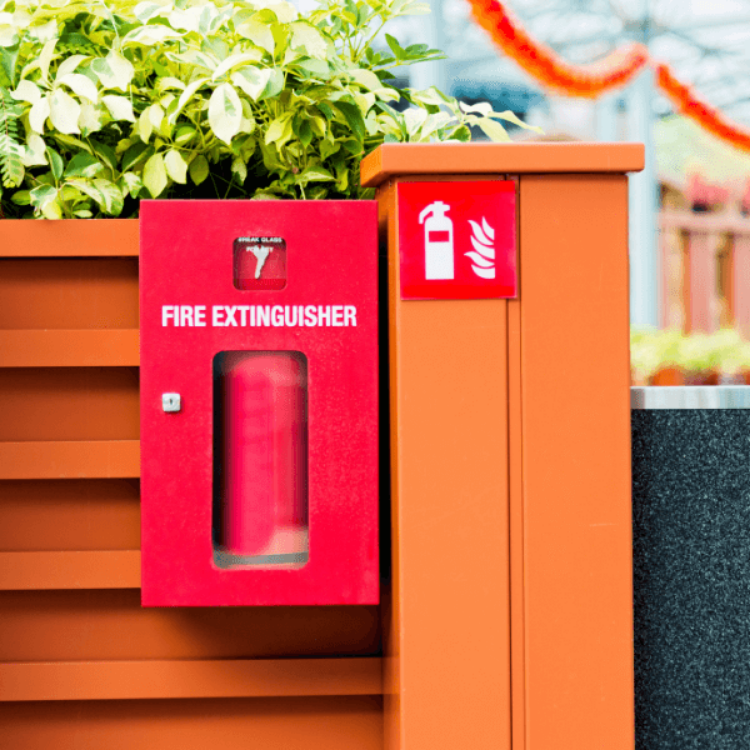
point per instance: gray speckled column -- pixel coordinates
(691, 514)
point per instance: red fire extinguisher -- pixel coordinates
(264, 454)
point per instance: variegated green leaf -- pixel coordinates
(365, 78)
(239, 169)
(155, 116)
(225, 112)
(307, 38)
(90, 119)
(147, 10)
(232, 62)
(35, 152)
(113, 197)
(26, 91)
(259, 34)
(185, 20)
(186, 96)
(114, 71)
(130, 184)
(38, 114)
(42, 198)
(144, 126)
(119, 107)
(176, 166)
(64, 112)
(315, 174)
(198, 169)
(283, 10)
(45, 58)
(149, 35)
(280, 130)
(79, 84)
(493, 130)
(252, 80)
(155, 175)
(69, 64)
(44, 32)
(83, 165)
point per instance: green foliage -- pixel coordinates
(104, 102)
(724, 351)
(11, 168)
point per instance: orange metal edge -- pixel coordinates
(577, 527)
(226, 678)
(65, 348)
(106, 569)
(70, 459)
(400, 719)
(515, 503)
(464, 159)
(68, 238)
(516, 512)
(390, 612)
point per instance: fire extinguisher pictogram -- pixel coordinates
(438, 241)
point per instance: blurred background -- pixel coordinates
(673, 74)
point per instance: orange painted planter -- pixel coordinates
(507, 620)
(510, 620)
(71, 625)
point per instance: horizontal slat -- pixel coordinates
(60, 348)
(108, 569)
(68, 238)
(69, 514)
(468, 159)
(51, 459)
(115, 680)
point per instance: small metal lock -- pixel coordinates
(171, 402)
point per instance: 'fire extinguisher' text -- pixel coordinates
(277, 316)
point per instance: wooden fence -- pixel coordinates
(704, 271)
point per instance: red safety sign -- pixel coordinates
(457, 240)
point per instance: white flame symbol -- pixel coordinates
(483, 240)
(261, 252)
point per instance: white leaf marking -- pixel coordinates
(479, 234)
(487, 252)
(484, 273)
(488, 230)
(480, 260)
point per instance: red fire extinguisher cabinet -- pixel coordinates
(259, 403)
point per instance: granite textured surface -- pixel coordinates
(691, 514)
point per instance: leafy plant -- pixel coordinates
(11, 151)
(697, 354)
(105, 102)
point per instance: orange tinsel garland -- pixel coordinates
(685, 101)
(592, 80)
(541, 62)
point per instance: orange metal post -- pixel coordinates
(576, 483)
(511, 607)
(447, 671)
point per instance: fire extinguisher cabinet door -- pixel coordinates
(259, 403)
